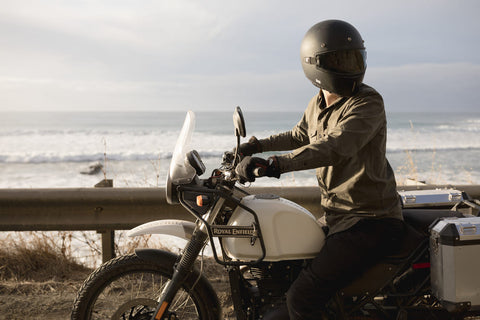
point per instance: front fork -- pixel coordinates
(181, 272)
(184, 267)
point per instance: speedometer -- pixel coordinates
(196, 162)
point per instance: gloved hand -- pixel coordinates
(251, 167)
(250, 147)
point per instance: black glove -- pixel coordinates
(251, 167)
(250, 147)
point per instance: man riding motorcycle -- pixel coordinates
(343, 135)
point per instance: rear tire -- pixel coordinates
(129, 287)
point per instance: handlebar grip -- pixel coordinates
(259, 171)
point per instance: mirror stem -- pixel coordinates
(236, 151)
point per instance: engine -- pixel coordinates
(271, 281)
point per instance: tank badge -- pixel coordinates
(235, 232)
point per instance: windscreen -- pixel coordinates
(180, 171)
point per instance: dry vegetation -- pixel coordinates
(39, 278)
(38, 281)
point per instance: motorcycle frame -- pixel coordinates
(387, 289)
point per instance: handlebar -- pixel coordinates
(229, 164)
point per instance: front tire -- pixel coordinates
(129, 287)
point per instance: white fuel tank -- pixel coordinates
(289, 231)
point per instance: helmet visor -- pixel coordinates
(343, 61)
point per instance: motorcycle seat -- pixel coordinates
(421, 219)
(411, 240)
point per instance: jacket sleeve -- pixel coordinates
(363, 118)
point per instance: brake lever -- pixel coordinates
(228, 157)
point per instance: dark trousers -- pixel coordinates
(344, 257)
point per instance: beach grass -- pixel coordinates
(37, 256)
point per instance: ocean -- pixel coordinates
(57, 149)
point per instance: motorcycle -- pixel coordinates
(263, 241)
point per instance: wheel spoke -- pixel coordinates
(130, 288)
(137, 294)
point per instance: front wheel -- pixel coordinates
(129, 287)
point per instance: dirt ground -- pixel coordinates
(37, 300)
(54, 299)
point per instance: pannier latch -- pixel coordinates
(455, 197)
(410, 198)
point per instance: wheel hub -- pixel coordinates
(136, 309)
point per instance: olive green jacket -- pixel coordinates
(346, 143)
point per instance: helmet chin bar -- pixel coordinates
(344, 86)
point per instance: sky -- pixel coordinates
(156, 55)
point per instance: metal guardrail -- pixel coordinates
(109, 209)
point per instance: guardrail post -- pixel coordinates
(108, 236)
(108, 244)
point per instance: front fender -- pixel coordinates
(177, 228)
(155, 256)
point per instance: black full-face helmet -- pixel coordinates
(333, 57)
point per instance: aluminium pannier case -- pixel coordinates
(430, 198)
(455, 262)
